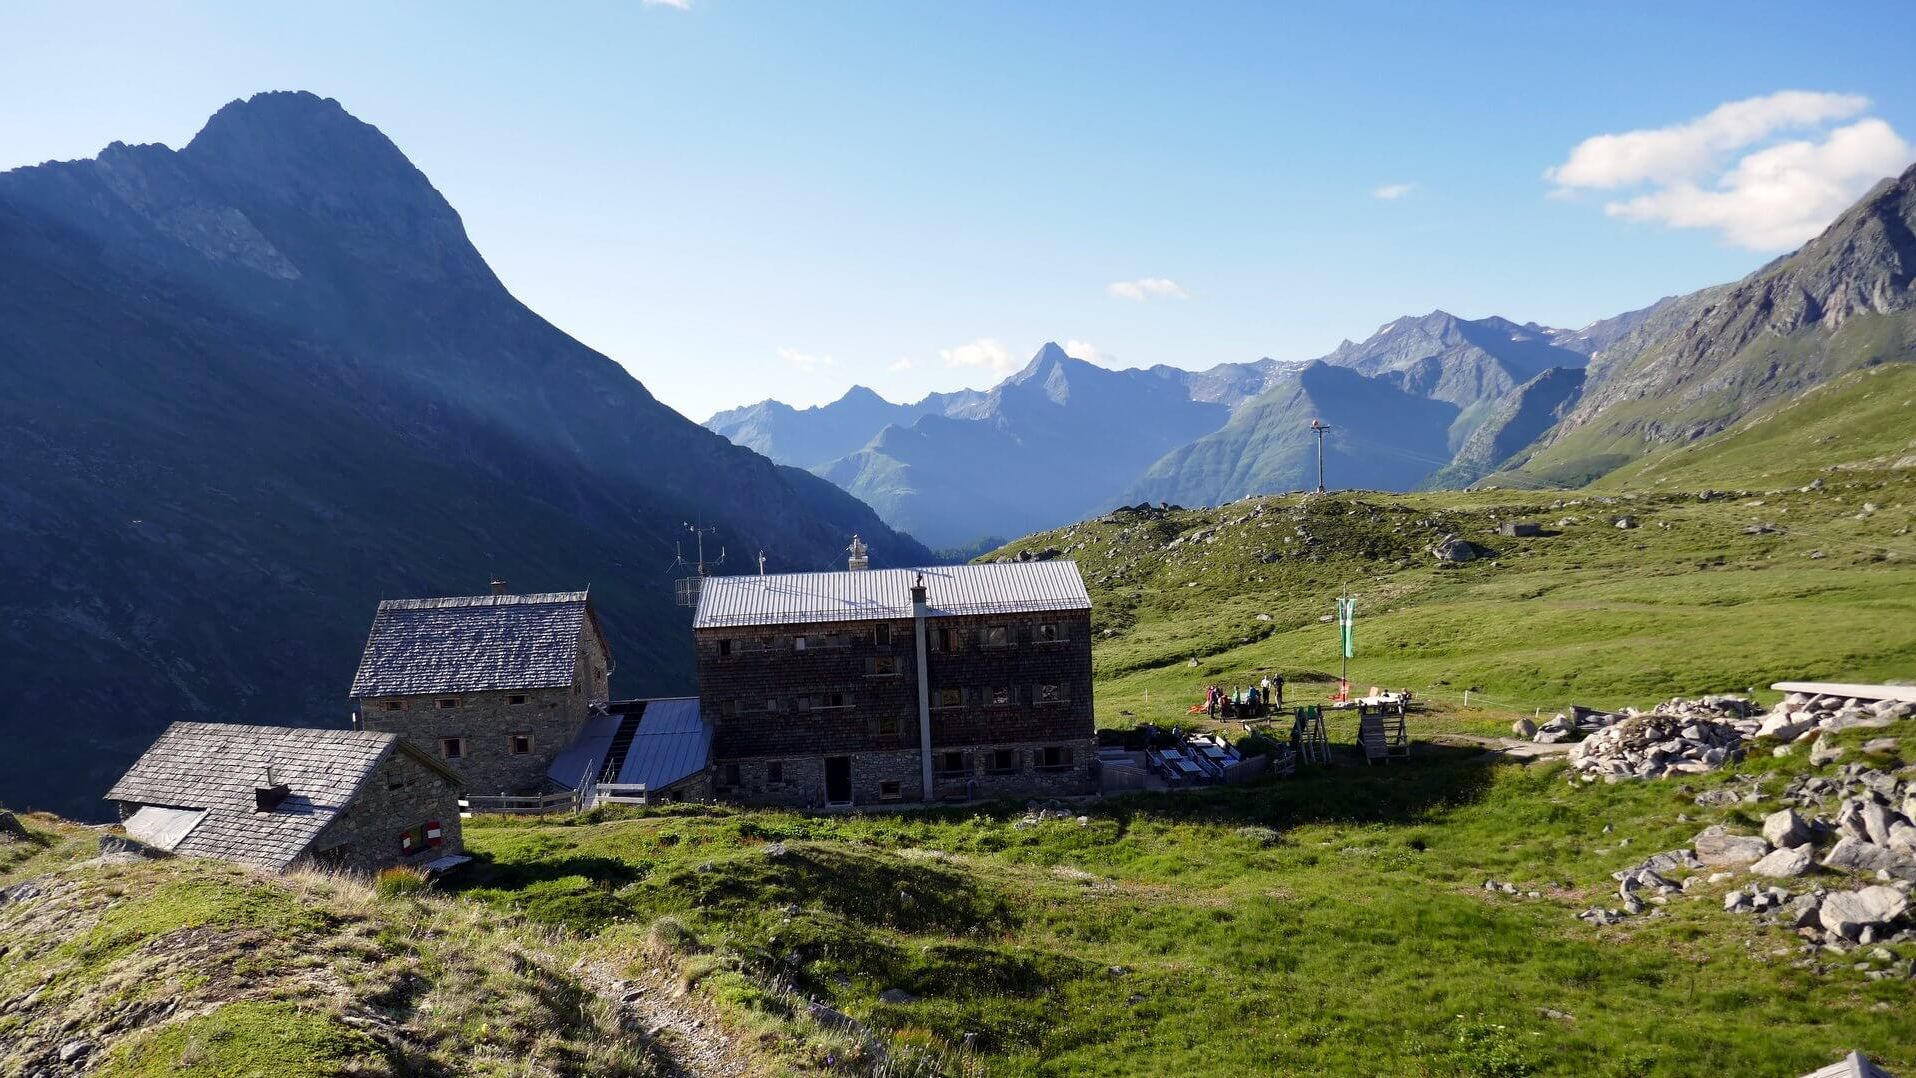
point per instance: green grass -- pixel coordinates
(248, 1039)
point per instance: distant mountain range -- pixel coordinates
(1425, 402)
(250, 387)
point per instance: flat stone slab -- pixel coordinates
(1905, 693)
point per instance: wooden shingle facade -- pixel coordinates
(817, 697)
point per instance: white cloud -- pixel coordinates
(904, 364)
(985, 352)
(682, 5)
(1725, 172)
(1781, 196)
(1088, 352)
(806, 361)
(1147, 288)
(1391, 192)
(1690, 150)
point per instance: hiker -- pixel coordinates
(1277, 686)
(1211, 700)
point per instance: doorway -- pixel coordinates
(838, 780)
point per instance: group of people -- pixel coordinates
(1255, 700)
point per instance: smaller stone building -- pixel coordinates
(494, 686)
(278, 796)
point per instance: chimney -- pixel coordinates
(498, 586)
(269, 793)
(861, 556)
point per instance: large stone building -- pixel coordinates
(898, 685)
(279, 796)
(494, 686)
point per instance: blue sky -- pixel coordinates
(747, 199)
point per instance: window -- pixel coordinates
(775, 772)
(822, 701)
(395, 779)
(1048, 633)
(946, 639)
(1002, 761)
(394, 705)
(953, 763)
(887, 726)
(815, 641)
(881, 635)
(519, 744)
(746, 707)
(1001, 697)
(881, 666)
(452, 748)
(725, 648)
(448, 702)
(994, 636)
(728, 775)
(515, 700)
(889, 790)
(948, 698)
(1054, 758)
(1050, 694)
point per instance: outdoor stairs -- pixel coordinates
(1313, 744)
(621, 745)
(1383, 736)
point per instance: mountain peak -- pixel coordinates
(299, 138)
(862, 395)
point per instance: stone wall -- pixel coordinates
(486, 722)
(401, 795)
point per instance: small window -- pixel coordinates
(725, 648)
(1002, 761)
(953, 763)
(994, 636)
(948, 698)
(448, 702)
(728, 708)
(519, 744)
(395, 779)
(452, 748)
(1050, 694)
(881, 635)
(515, 700)
(881, 666)
(890, 790)
(1055, 758)
(775, 772)
(728, 775)
(824, 701)
(946, 639)
(1001, 697)
(887, 726)
(394, 705)
(1048, 633)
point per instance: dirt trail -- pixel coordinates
(682, 1033)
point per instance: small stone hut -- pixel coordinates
(277, 796)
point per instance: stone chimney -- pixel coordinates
(861, 556)
(269, 792)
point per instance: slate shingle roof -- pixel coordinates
(885, 594)
(475, 643)
(216, 766)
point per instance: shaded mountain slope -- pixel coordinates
(1382, 439)
(1512, 422)
(257, 384)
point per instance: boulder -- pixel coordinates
(897, 995)
(1822, 752)
(1715, 846)
(1848, 913)
(1786, 828)
(1854, 855)
(1523, 728)
(11, 827)
(1452, 549)
(1785, 862)
(1876, 821)
(1784, 725)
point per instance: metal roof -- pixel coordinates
(1854, 1065)
(885, 594)
(163, 828)
(213, 768)
(579, 763)
(474, 643)
(673, 744)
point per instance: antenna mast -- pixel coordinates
(1320, 428)
(690, 585)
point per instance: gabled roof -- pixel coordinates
(474, 643)
(214, 768)
(885, 594)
